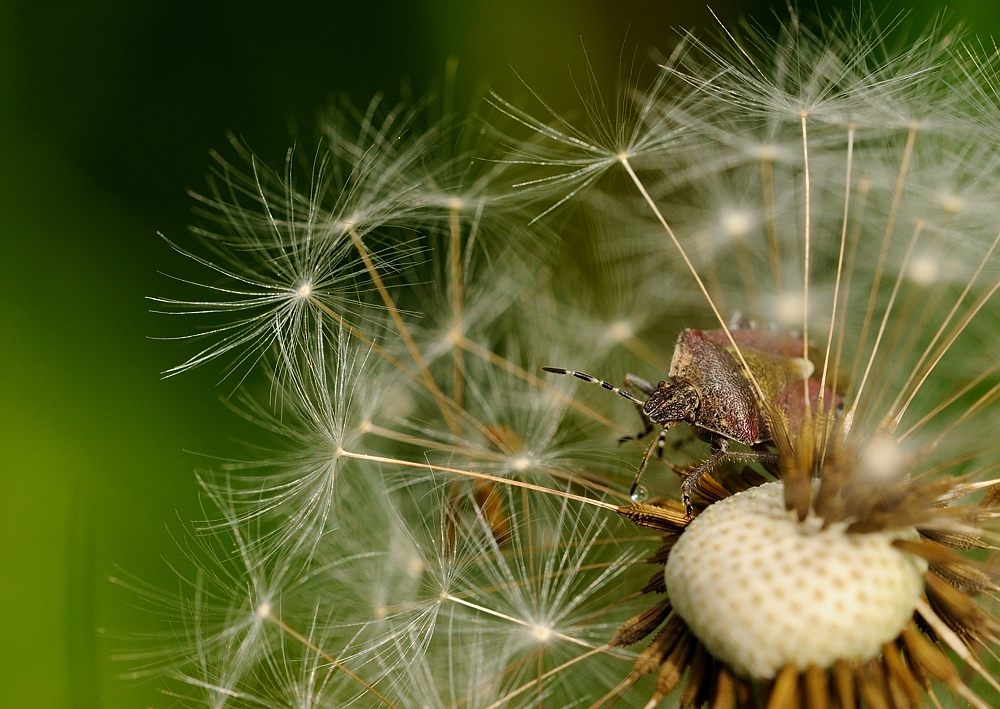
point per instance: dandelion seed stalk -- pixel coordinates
(443, 523)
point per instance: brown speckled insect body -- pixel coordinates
(709, 389)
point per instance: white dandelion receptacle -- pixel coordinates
(762, 590)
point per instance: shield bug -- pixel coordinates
(709, 390)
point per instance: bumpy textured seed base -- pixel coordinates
(761, 589)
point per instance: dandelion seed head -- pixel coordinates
(884, 461)
(448, 557)
(785, 309)
(620, 331)
(762, 590)
(304, 291)
(521, 463)
(541, 632)
(737, 222)
(924, 269)
(951, 202)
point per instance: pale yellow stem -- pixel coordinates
(694, 272)
(478, 476)
(299, 637)
(836, 283)
(951, 338)
(885, 319)
(864, 187)
(504, 700)
(890, 226)
(807, 248)
(442, 401)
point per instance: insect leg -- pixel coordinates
(768, 460)
(655, 445)
(720, 449)
(642, 468)
(661, 442)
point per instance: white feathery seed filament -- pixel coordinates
(441, 524)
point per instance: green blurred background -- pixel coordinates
(108, 111)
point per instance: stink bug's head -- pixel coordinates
(672, 401)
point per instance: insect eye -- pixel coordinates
(661, 384)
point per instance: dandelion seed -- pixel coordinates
(304, 291)
(883, 461)
(838, 88)
(441, 526)
(324, 407)
(287, 265)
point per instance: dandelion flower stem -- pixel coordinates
(951, 337)
(694, 272)
(443, 404)
(807, 236)
(455, 267)
(478, 476)
(840, 267)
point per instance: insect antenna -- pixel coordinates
(594, 380)
(636, 492)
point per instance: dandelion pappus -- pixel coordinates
(709, 390)
(486, 495)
